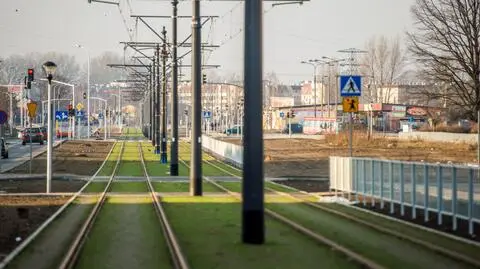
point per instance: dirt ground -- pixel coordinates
(309, 158)
(39, 185)
(21, 215)
(72, 157)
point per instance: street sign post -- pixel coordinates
(207, 114)
(350, 85)
(350, 104)
(32, 111)
(61, 115)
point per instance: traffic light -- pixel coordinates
(84, 95)
(292, 114)
(204, 78)
(30, 75)
(288, 115)
(71, 111)
(186, 112)
(29, 85)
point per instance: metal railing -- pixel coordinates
(439, 189)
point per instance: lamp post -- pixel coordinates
(314, 63)
(49, 68)
(88, 89)
(330, 63)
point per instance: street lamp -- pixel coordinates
(88, 89)
(314, 63)
(50, 68)
(330, 63)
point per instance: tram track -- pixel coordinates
(363, 262)
(306, 199)
(177, 259)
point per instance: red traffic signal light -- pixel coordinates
(69, 106)
(30, 74)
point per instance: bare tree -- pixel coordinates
(447, 45)
(382, 65)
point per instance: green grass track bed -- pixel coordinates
(118, 186)
(95, 186)
(385, 249)
(208, 229)
(126, 234)
(182, 187)
(451, 244)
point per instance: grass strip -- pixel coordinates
(126, 234)
(209, 231)
(442, 241)
(386, 250)
(118, 186)
(95, 186)
(182, 187)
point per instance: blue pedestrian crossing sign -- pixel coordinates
(207, 114)
(350, 85)
(282, 114)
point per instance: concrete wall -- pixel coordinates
(230, 153)
(439, 136)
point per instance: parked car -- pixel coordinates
(297, 128)
(44, 131)
(35, 133)
(237, 129)
(4, 148)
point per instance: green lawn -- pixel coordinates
(278, 187)
(154, 167)
(182, 187)
(384, 249)
(209, 232)
(118, 186)
(95, 186)
(126, 234)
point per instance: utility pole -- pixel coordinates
(152, 88)
(157, 106)
(174, 143)
(253, 223)
(163, 150)
(154, 101)
(196, 157)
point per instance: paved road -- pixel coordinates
(18, 153)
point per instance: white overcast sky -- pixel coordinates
(291, 32)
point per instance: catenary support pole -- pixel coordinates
(163, 149)
(253, 227)
(196, 157)
(174, 143)
(157, 100)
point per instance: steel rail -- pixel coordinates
(45, 224)
(178, 258)
(435, 248)
(302, 229)
(75, 248)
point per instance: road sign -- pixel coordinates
(350, 85)
(100, 116)
(32, 109)
(282, 114)
(350, 104)
(3, 117)
(61, 115)
(207, 114)
(79, 106)
(80, 113)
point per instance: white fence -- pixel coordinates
(436, 189)
(228, 152)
